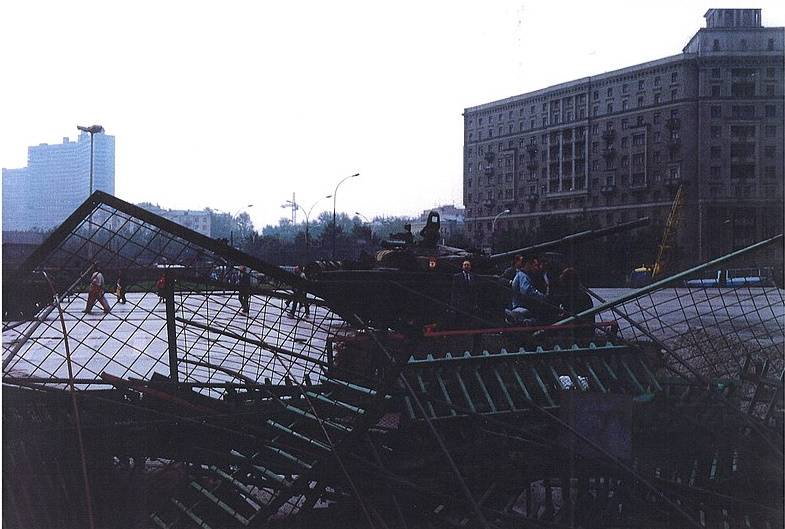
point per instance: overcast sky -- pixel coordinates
(223, 104)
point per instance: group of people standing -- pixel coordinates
(539, 297)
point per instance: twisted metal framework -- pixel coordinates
(221, 419)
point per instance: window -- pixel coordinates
(623, 124)
(743, 44)
(595, 165)
(490, 133)
(657, 137)
(674, 76)
(716, 132)
(595, 110)
(624, 88)
(624, 142)
(544, 122)
(656, 157)
(716, 111)
(637, 139)
(715, 73)
(674, 112)
(595, 129)
(770, 131)
(639, 121)
(545, 107)
(673, 94)
(769, 172)
(769, 72)
(771, 111)
(769, 151)
(769, 89)
(656, 118)
(714, 171)
(610, 108)
(716, 90)
(715, 45)
(657, 98)
(625, 162)
(657, 81)
(743, 111)
(770, 45)
(531, 124)
(610, 92)
(596, 94)
(640, 101)
(595, 146)
(637, 160)
(716, 152)
(641, 84)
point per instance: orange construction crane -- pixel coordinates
(660, 265)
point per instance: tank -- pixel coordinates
(409, 282)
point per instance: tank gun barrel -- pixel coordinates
(573, 238)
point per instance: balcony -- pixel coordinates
(608, 188)
(488, 170)
(673, 123)
(609, 152)
(488, 202)
(531, 197)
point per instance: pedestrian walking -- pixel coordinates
(244, 290)
(96, 292)
(120, 288)
(300, 297)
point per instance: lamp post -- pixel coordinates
(289, 204)
(368, 222)
(335, 196)
(231, 230)
(493, 225)
(92, 129)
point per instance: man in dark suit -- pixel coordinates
(464, 294)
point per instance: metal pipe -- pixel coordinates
(669, 280)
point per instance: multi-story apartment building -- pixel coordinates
(618, 146)
(56, 181)
(199, 221)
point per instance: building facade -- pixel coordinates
(618, 146)
(199, 221)
(56, 181)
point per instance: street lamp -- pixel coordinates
(93, 129)
(493, 224)
(289, 204)
(232, 216)
(335, 196)
(368, 222)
